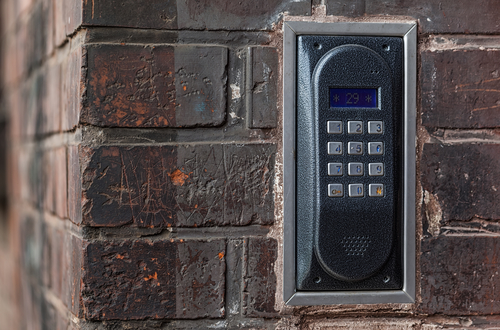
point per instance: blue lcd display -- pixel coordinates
(353, 98)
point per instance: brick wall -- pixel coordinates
(144, 165)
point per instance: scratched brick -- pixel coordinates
(160, 280)
(237, 15)
(263, 88)
(161, 86)
(464, 179)
(460, 275)
(163, 186)
(259, 277)
(460, 88)
(192, 14)
(157, 14)
(451, 16)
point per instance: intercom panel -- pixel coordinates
(353, 120)
(349, 162)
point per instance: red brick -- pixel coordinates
(452, 16)
(51, 99)
(159, 280)
(161, 86)
(260, 278)
(164, 186)
(460, 275)
(464, 179)
(459, 88)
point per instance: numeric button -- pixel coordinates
(356, 190)
(375, 127)
(335, 169)
(375, 148)
(355, 127)
(355, 169)
(375, 169)
(355, 148)
(335, 148)
(334, 127)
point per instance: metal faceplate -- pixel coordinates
(351, 242)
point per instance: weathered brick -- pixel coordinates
(67, 18)
(192, 14)
(51, 107)
(160, 280)
(361, 324)
(459, 88)
(237, 15)
(158, 14)
(74, 186)
(164, 186)
(72, 88)
(260, 278)
(55, 182)
(263, 86)
(460, 275)
(72, 268)
(463, 178)
(452, 16)
(160, 86)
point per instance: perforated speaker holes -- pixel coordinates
(355, 245)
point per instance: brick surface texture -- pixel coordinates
(142, 155)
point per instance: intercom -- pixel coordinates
(349, 162)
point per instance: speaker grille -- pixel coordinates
(355, 245)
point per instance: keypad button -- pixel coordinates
(375, 127)
(355, 169)
(335, 190)
(376, 190)
(356, 190)
(375, 148)
(334, 127)
(335, 148)
(335, 169)
(355, 148)
(355, 127)
(376, 169)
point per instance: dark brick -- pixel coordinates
(260, 278)
(157, 14)
(237, 15)
(159, 280)
(164, 186)
(452, 16)
(460, 88)
(464, 178)
(161, 86)
(263, 86)
(67, 18)
(192, 14)
(460, 275)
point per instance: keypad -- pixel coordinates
(356, 167)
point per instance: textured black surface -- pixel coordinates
(328, 228)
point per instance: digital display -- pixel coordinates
(353, 98)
